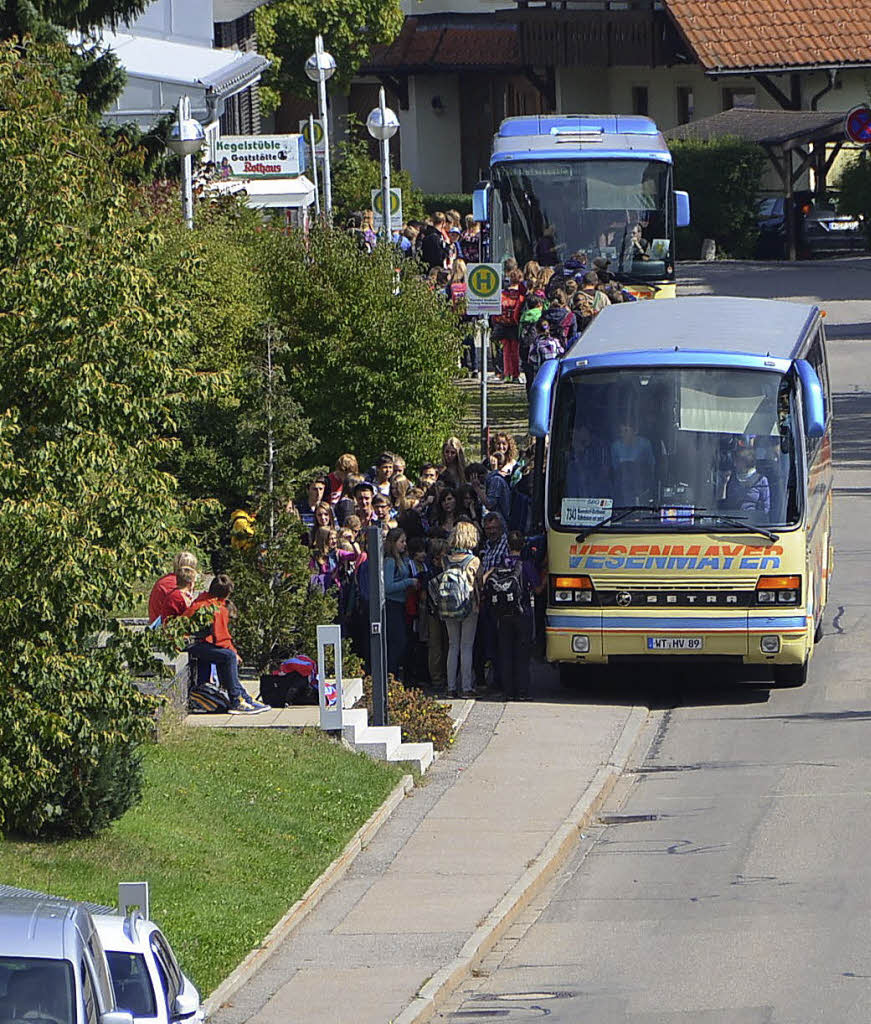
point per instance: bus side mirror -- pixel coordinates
(539, 398)
(682, 209)
(813, 400)
(481, 202)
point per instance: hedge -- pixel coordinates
(723, 178)
(460, 201)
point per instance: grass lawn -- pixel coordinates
(506, 410)
(233, 828)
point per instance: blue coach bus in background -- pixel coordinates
(573, 187)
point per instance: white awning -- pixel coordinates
(160, 71)
(224, 71)
(267, 193)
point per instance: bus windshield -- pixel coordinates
(553, 210)
(689, 447)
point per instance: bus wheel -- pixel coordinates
(791, 675)
(818, 632)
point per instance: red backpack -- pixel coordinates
(512, 300)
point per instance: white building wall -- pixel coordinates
(184, 21)
(431, 140)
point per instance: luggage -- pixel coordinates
(454, 596)
(208, 699)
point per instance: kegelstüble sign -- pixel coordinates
(260, 156)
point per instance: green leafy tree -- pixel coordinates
(90, 70)
(854, 183)
(722, 177)
(91, 379)
(358, 173)
(286, 31)
(370, 352)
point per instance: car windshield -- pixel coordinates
(133, 988)
(36, 991)
(554, 210)
(689, 447)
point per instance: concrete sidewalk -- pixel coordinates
(439, 882)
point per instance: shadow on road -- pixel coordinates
(852, 428)
(656, 687)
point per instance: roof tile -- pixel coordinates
(735, 34)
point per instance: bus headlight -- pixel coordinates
(769, 644)
(580, 644)
(571, 590)
(778, 590)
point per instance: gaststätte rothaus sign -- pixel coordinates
(260, 156)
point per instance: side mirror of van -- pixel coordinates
(186, 1003)
(116, 1017)
(682, 209)
(481, 202)
(813, 400)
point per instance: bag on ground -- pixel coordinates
(503, 591)
(454, 591)
(208, 699)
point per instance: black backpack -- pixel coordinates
(503, 591)
(208, 699)
(528, 336)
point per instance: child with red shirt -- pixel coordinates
(213, 644)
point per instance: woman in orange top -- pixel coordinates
(213, 644)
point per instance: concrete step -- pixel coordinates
(419, 755)
(352, 691)
(379, 741)
(355, 722)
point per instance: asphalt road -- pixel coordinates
(728, 879)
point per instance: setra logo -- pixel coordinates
(624, 599)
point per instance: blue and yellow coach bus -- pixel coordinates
(688, 490)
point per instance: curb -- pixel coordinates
(310, 898)
(543, 868)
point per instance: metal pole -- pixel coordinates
(385, 169)
(313, 147)
(322, 103)
(377, 626)
(187, 191)
(485, 344)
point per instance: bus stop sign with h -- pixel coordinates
(483, 298)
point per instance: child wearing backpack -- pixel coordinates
(508, 591)
(457, 606)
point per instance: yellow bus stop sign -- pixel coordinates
(485, 289)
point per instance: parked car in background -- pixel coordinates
(53, 969)
(148, 980)
(819, 228)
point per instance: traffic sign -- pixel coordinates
(484, 293)
(319, 136)
(857, 125)
(395, 207)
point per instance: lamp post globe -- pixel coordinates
(186, 137)
(320, 66)
(382, 126)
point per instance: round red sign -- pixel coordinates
(857, 125)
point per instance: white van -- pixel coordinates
(53, 968)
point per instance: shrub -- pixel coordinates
(459, 201)
(91, 374)
(421, 718)
(369, 354)
(855, 189)
(358, 173)
(722, 177)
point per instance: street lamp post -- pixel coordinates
(319, 67)
(382, 125)
(186, 137)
